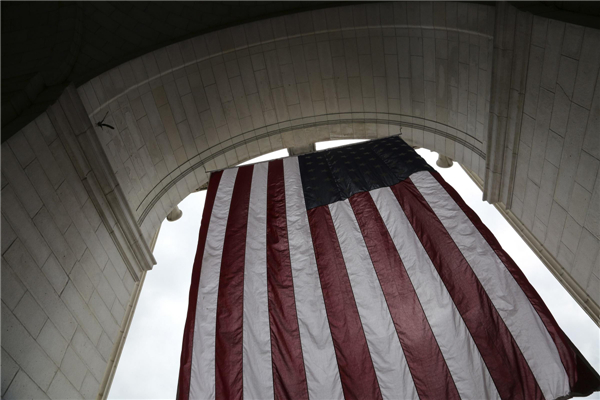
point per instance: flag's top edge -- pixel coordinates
(336, 174)
(314, 152)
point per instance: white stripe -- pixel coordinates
(258, 371)
(464, 361)
(202, 379)
(507, 296)
(322, 373)
(393, 375)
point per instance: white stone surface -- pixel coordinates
(558, 149)
(54, 254)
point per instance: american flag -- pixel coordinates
(358, 273)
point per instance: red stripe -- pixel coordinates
(185, 369)
(507, 366)
(289, 377)
(425, 360)
(566, 353)
(357, 373)
(230, 303)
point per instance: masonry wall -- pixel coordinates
(65, 283)
(557, 185)
(359, 71)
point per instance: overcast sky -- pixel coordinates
(149, 364)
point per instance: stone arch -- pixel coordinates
(91, 199)
(358, 71)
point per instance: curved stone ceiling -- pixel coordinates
(47, 45)
(345, 72)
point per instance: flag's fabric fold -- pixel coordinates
(358, 273)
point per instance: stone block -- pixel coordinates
(128, 282)
(552, 54)
(30, 314)
(105, 346)
(79, 194)
(118, 311)
(52, 342)
(578, 117)
(527, 129)
(19, 182)
(12, 288)
(539, 230)
(586, 255)
(565, 257)
(43, 154)
(152, 113)
(554, 148)
(40, 288)
(556, 225)
(517, 206)
(587, 70)
(45, 224)
(579, 203)
(75, 241)
(88, 354)
(89, 209)
(99, 90)
(61, 389)
(82, 224)
(104, 316)
(81, 281)
(587, 170)
(593, 287)
(22, 387)
(116, 283)
(529, 204)
(81, 312)
(20, 147)
(571, 234)
(46, 128)
(534, 72)
(571, 46)
(560, 112)
(8, 235)
(90, 387)
(174, 101)
(540, 28)
(9, 370)
(47, 193)
(73, 368)
(591, 142)
(429, 59)
(25, 351)
(566, 74)
(592, 220)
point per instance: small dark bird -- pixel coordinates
(101, 124)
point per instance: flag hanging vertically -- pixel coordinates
(358, 273)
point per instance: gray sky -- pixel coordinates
(149, 364)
